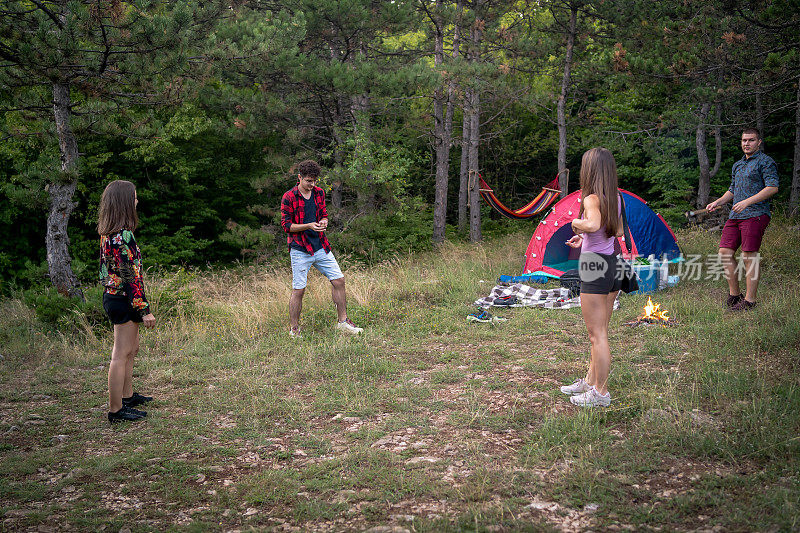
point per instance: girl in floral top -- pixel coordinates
(123, 298)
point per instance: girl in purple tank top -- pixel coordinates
(598, 225)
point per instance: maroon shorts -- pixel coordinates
(746, 232)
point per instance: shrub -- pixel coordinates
(376, 237)
(54, 309)
(175, 297)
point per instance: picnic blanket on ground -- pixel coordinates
(526, 296)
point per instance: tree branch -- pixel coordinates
(49, 14)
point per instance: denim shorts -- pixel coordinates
(325, 262)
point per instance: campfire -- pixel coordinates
(653, 314)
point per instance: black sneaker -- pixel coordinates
(126, 414)
(135, 411)
(733, 300)
(743, 305)
(135, 399)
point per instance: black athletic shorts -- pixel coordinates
(119, 309)
(598, 273)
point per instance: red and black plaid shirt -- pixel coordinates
(293, 212)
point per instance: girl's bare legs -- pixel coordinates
(127, 389)
(596, 310)
(126, 344)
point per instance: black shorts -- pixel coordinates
(119, 309)
(598, 273)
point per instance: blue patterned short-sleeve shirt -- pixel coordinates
(748, 177)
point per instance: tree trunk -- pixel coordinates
(440, 139)
(474, 169)
(794, 196)
(760, 115)
(703, 187)
(706, 173)
(562, 102)
(463, 187)
(359, 108)
(474, 135)
(463, 181)
(336, 186)
(61, 192)
(338, 141)
(451, 84)
(338, 158)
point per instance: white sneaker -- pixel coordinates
(576, 388)
(591, 398)
(295, 332)
(348, 327)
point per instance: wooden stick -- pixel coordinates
(690, 214)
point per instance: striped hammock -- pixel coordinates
(549, 193)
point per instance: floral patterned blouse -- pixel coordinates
(121, 269)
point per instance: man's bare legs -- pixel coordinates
(295, 306)
(752, 274)
(729, 264)
(339, 296)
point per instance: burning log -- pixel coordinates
(653, 314)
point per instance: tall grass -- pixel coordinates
(252, 427)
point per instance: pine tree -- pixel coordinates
(691, 52)
(443, 106)
(89, 59)
(773, 35)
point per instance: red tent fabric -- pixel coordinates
(556, 225)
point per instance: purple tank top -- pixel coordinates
(597, 241)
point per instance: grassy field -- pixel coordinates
(424, 423)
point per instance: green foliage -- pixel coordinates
(61, 312)
(180, 247)
(373, 168)
(495, 227)
(175, 297)
(252, 242)
(378, 237)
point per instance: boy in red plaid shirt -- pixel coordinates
(304, 218)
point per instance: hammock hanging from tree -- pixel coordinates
(549, 193)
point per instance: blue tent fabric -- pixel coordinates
(548, 252)
(650, 233)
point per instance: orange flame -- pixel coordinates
(653, 311)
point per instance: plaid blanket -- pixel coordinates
(521, 295)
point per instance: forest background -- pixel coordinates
(205, 106)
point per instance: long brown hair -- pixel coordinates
(117, 208)
(599, 176)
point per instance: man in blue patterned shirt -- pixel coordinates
(754, 179)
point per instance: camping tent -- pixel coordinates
(548, 253)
